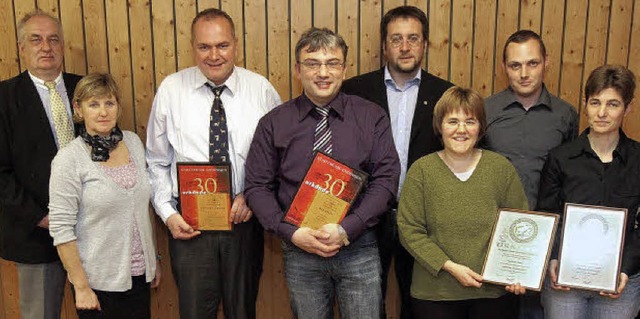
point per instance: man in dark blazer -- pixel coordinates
(30, 136)
(408, 94)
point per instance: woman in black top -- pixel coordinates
(601, 167)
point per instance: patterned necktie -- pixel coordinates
(218, 135)
(64, 129)
(322, 136)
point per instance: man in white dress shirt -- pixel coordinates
(188, 107)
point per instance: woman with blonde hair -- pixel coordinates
(99, 209)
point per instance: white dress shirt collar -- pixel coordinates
(389, 80)
(231, 82)
(40, 82)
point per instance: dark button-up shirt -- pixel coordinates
(574, 173)
(282, 150)
(526, 136)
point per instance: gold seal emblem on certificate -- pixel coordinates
(523, 230)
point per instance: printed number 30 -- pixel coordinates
(331, 186)
(210, 185)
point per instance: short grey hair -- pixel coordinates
(37, 13)
(320, 39)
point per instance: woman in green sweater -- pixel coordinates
(447, 209)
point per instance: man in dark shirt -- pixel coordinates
(408, 94)
(525, 121)
(338, 260)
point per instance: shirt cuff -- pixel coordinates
(165, 210)
(286, 230)
(353, 226)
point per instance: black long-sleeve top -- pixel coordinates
(573, 173)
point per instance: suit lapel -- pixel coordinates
(70, 83)
(380, 90)
(424, 109)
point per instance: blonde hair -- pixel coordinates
(95, 85)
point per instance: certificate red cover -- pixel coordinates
(205, 195)
(326, 193)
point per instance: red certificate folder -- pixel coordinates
(205, 195)
(325, 194)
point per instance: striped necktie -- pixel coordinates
(218, 135)
(322, 136)
(64, 129)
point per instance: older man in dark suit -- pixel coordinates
(408, 94)
(35, 121)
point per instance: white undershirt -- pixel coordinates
(464, 176)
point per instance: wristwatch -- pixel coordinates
(343, 235)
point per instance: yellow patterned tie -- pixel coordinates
(63, 127)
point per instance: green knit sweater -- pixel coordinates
(441, 218)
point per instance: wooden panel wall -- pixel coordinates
(142, 41)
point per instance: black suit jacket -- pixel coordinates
(423, 139)
(27, 147)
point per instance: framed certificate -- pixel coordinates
(205, 195)
(325, 194)
(519, 248)
(591, 249)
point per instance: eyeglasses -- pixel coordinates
(413, 40)
(333, 65)
(456, 123)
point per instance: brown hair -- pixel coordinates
(321, 39)
(615, 77)
(522, 36)
(456, 98)
(404, 12)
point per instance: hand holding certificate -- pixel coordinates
(205, 195)
(519, 248)
(325, 194)
(591, 250)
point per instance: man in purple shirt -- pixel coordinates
(336, 260)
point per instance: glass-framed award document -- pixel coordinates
(205, 194)
(519, 248)
(591, 248)
(325, 194)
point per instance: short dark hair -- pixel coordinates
(522, 36)
(405, 12)
(456, 98)
(321, 39)
(615, 77)
(211, 14)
